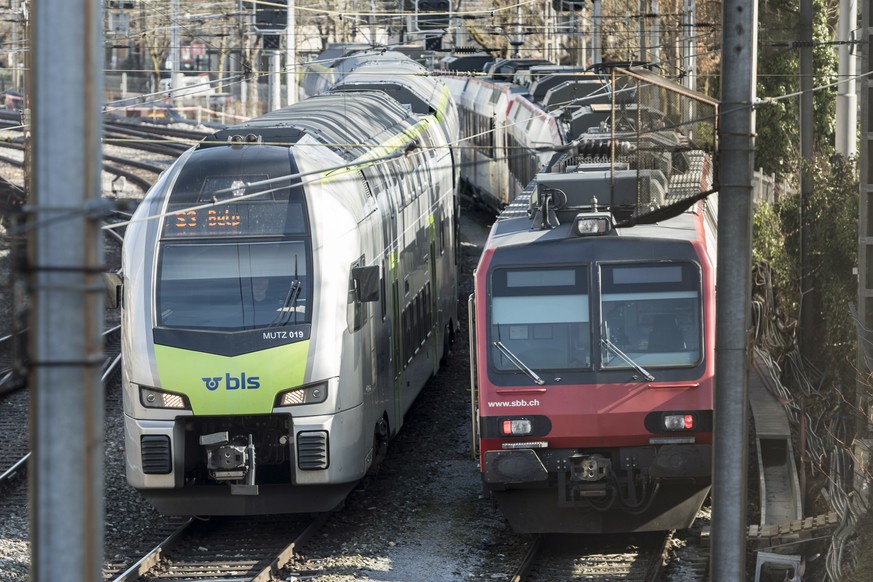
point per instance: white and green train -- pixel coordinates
(289, 286)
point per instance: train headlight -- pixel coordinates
(516, 426)
(154, 398)
(591, 225)
(312, 394)
(679, 421)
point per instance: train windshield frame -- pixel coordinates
(649, 312)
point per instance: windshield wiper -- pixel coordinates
(289, 305)
(518, 363)
(627, 359)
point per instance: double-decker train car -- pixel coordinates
(593, 341)
(516, 117)
(289, 286)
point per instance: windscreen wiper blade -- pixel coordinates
(289, 305)
(518, 363)
(645, 373)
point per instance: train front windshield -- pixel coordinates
(240, 264)
(541, 317)
(233, 286)
(650, 315)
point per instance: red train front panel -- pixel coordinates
(594, 361)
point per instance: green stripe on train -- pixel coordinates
(245, 384)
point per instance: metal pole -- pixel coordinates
(808, 308)
(372, 20)
(655, 34)
(548, 15)
(847, 100)
(689, 59)
(291, 54)
(64, 264)
(865, 239)
(733, 319)
(641, 31)
(596, 45)
(175, 50)
(13, 54)
(275, 81)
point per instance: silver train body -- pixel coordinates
(515, 119)
(289, 286)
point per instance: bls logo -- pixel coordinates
(233, 383)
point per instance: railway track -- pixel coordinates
(10, 378)
(139, 173)
(164, 141)
(233, 549)
(14, 444)
(636, 557)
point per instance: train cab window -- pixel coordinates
(232, 286)
(651, 313)
(541, 317)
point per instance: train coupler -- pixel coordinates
(589, 468)
(231, 463)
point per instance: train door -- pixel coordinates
(474, 384)
(359, 315)
(390, 373)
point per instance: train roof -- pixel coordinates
(598, 178)
(505, 69)
(475, 63)
(337, 119)
(408, 81)
(584, 89)
(543, 79)
(518, 226)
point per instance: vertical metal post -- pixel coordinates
(847, 100)
(175, 50)
(275, 81)
(865, 215)
(596, 44)
(13, 54)
(733, 319)
(548, 16)
(641, 31)
(291, 54)
(689, 57)
(64, 265)
(655, 34)
(519, 31)
(808, 303)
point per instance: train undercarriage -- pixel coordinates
(610, 491)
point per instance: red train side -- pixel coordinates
(594, 362)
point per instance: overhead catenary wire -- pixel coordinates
(762, 102)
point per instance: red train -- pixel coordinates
(593, 348)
